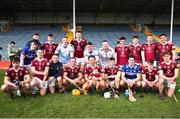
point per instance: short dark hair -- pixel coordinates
(12, 42)
(72, 58)
(135, 37)
(36, 33)
(131, 56)
(151, 62)
(122, 38)
(104, 41)
(91, 56)
(111, 58)
(89, 43)
(40, 49)
(15, 60)
(163, 35)
(150, 35)
(79, 32)
(50, 35)
(35, 42)
(166, 53)
(55, 55)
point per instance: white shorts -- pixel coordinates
(80, 60)
(171, 85)
(27, 66)
(52, 83)
(41, 85)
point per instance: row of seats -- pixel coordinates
(95, 34)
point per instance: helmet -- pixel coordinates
(108, 95)
(178, 90)
(126, 93)
(76, 92)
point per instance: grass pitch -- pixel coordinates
(69, 106)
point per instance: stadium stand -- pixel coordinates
(22, 34)
(95, 34)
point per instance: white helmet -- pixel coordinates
(108, 95)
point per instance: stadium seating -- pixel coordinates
(96, 34)
(112, 34)
(22, 34)
(165, 29)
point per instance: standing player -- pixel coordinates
(105, 52)
(135, 49)
(39, 69)
(94, 76)
(165, 46)
(36, 37)
(12, 50)
(168, 71)
(90, 50)
(112, 74)
(150, 76)
(65, 51)
(131, 76)
(49, 47)
(72, 74)
(16, 78)
(79, 46)
(55, 73)
(149, 50)
(28, 54)
(122, 52)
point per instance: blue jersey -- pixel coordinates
(131, 73)
(64, 53)
(29, 55)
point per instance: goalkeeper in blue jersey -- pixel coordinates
(131, 76)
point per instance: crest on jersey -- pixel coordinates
(168, 71)
(149, 48)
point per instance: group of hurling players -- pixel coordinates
(51, 67)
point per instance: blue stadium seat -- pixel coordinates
(95, 34)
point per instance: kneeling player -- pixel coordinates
(72, 74)
(131, 76)
(168, 71)
(39, 68)
(55, 73)
(112, 74)
(93, 76)
(16, 78)
(150, 76)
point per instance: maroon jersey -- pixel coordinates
(164, 48)
(49, 50)
(72, 73)
(111, 71)
(150, 51)
(168, 69)
(150, 75)
(79, 48)
(16, 75)
(89, 69)
(40, 66)
(122, 54)
(136, 52)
